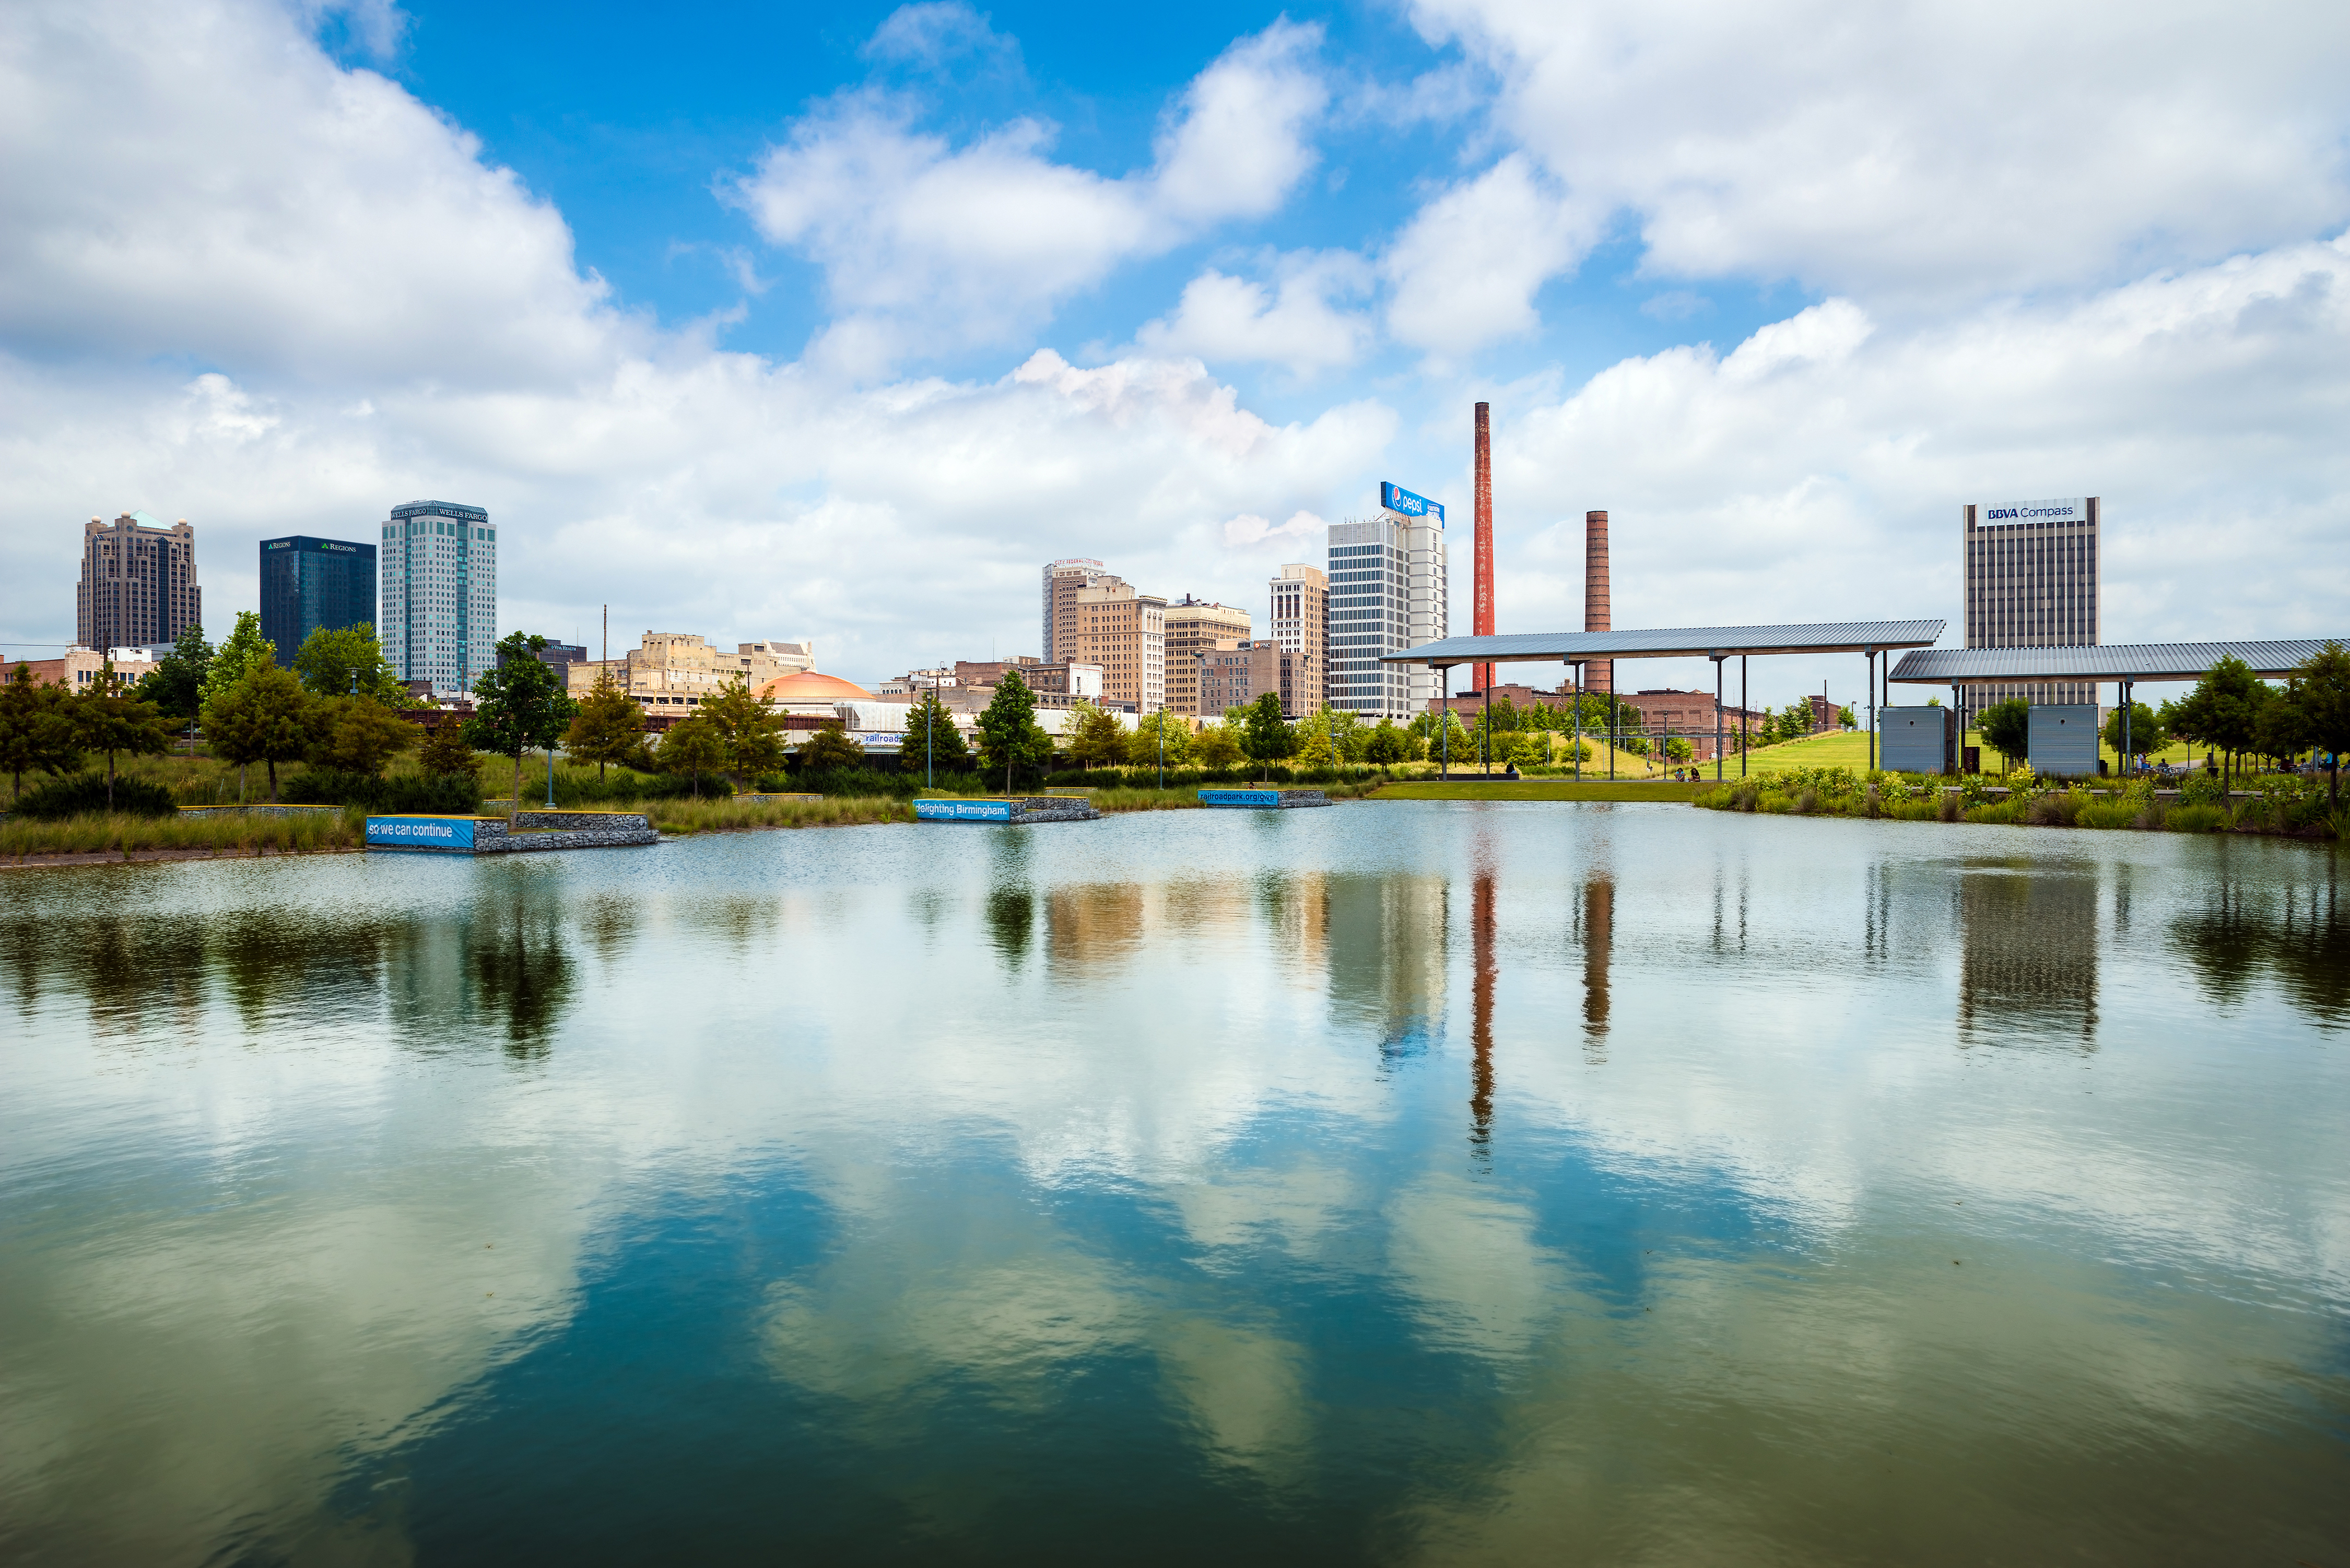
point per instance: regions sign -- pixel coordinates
(962, 811)
(1396, 498)
(2007, 513)
(420, 833)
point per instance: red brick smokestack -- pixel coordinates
(1599, 675)
(1481, 619)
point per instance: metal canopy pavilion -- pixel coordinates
(1870, 638)
(2123, 663)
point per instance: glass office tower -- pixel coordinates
(312, 585)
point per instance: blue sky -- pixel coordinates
(778, 322)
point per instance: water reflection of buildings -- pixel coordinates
(1387, 957)
(1481, 1025)
(2028, 961)
(1595, 933)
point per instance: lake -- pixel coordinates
(1402, 1182)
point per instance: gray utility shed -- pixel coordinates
(2063, 740)
(1914, 740)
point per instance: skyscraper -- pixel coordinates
(138, 583)
(1301, 621)
(1123, 631)
(1386, 593)
(440, 599)
(312, 585)
(1062, 581)
(2032, 575)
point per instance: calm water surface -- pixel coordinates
(1397, 1183)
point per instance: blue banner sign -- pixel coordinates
(1396, 498)
(420, 833)
(962, 811)
(1240, 797)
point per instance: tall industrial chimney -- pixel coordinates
(1482, 621)
(1599, 675)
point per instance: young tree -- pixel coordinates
(752, 732)
(357, 735)
(1142, 747)
(831, 746)
(105, 719)
(1385, 744)
(1845, 720)
(2145, 731)
(176, 685)
(1265, 736)
(1678, 750)
(930, 733)
(1096, 737)
(1009, 735)
(692, 747)
(2223, 711)
(2007, 729)
(518, 705)
(349, 661)
(2283, 730)
(246, 649)
(36, 732)
(1213, 747)
(1314, 747)
(2320, 690)
(444, 752)
(609, 728)
(264, 716)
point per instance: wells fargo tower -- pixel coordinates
(138, 583)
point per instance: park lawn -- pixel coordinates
(1544, 789)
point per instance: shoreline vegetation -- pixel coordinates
(2285, 805)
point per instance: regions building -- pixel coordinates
(438, 566)
(1300, 618)
(138, 583)
(314, 585)
(2033, 571)
(1195, 627)
(1386, 593)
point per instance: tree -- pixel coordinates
(246, 649)
(2283, 730)
(357, 734)
(1009, 735)
(1314, 747)
(105, 719)
(2320, 690)
(349, 661)
(2007, 729)
(831, 746)
(1213, 747)
(518, 705)
(694, 746)
(1265, 736)
(752, 732)
(1385, 744)
(176, 685)
(444, 752)
(2145, 731)
(1845, 718)
(36, 732)
(1678, 750)
(1096, 737)
(2223, 711)
(1142, 747)
(609, 726)
(930, 733)
(264, 717)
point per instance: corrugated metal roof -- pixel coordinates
(2114, 662)
(1816, 637)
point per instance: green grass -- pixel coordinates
(1544, 789)
(220, 833)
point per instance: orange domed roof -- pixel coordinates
(809, 686)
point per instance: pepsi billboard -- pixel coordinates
(1396, 498)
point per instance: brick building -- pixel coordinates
(1195, 627)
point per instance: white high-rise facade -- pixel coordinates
(439, 601)
(1386, 593)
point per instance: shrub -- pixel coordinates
(2196, 817)
(2049, 808)
(443, 795)
(1949, 806)
(2101, 815)
(83, 794)
(2202, 789)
